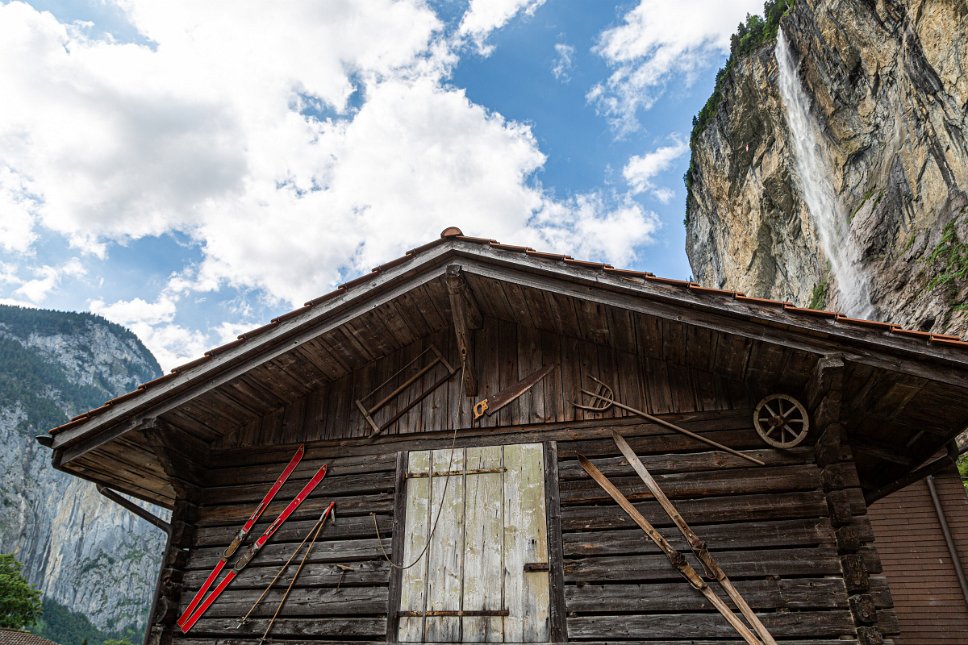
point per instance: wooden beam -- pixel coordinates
(930, 468)
(134, 508)
(467, 317)
(180, 465)
(880, 451)
(825, 390)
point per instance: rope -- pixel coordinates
(433, 527)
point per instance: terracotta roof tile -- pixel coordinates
(510, 247)
(190, 364)
(289, 315)
(548, 256)
(947, 342)
(710, 290)
(763, 301)
(586, 264)
(911, 332)
(15, 637)
(861, 322)
(366, 277)
(258, 331)
(819, 313)
(672, 281)
(221, 349)
(326, 296)
(392, 263)
(627, 273)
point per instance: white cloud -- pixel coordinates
(48, 278)
(485, 16)
(205, 132)
(17, 208)
(657, 39)
(564, 62)
(153, 323)
(640, 171)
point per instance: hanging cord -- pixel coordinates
(448, 477)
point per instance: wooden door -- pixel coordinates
(484, 575)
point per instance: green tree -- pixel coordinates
(19, 602)
(115, 641)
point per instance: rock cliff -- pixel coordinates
(81, 550)
(887, 82)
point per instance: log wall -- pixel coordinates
(773, 528)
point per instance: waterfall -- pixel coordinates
(825, 209)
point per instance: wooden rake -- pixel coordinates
(603, 398)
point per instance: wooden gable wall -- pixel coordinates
(792, 534)
(504, 353)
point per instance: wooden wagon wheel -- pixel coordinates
(781, 421)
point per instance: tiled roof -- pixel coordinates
(14, 637)
(454, 233)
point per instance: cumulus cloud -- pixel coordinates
(293, 149)
(153, 323)
(46, 279)
(485, 16)
(656, 40)
(563, 62)
(641, 171)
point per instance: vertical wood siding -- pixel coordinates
(505, 353)
(931, 609)
(490, 526)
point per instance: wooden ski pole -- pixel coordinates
(676, 558)
(695, 542)
(295, 576)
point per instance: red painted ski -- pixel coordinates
(243, 532)
(253, 550)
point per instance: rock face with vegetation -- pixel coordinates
(888, 84)
(84, 552)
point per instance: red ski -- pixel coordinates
(253, 550)
(243, 532)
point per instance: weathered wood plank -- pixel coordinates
(738, 564)
(315, 574)
(762, 479)
(341, 628)
(413, 582)
(655, 597)
(527, 593)
(445, 557)
(718, 537)
(483, 583)
(676, 627)
(713, 510)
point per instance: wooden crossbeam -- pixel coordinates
(467, 317)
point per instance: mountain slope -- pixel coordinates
(888, 86)
(84, 552)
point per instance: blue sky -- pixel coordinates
(190, 170)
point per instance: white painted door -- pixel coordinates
(471, 585)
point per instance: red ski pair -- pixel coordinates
(197, 607)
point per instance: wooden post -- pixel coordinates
(177, 455)
(842, 488)
(467, 317)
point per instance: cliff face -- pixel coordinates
(888, 85)
(80, 549)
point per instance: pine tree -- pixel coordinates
(19, 602)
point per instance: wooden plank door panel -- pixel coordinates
(489, 508)
(484, 545)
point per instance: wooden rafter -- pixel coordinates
(467, 317)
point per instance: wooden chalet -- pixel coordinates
(495, 531)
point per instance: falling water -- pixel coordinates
(818, 191)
